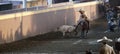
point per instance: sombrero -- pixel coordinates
(81, 10)
(104, 39)
(118, 39)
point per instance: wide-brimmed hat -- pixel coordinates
(81, 10)
(118, 40)
(104, 39)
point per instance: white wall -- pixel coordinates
(21, 25)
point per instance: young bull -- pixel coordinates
(66, 29)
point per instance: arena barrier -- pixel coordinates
(23, 24)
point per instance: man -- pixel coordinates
(117, 45)
(88, 52)
(83, 23)
(106, 49)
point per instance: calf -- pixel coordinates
(66, 28)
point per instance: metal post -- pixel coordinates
(70, 0)
(49, 2)
(24, 3)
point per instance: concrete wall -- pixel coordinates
(17, 26)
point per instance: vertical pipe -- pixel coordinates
(49, 2)
(24, 3)
(70, 0)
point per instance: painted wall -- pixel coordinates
(17, 26)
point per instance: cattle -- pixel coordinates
(66, 29)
